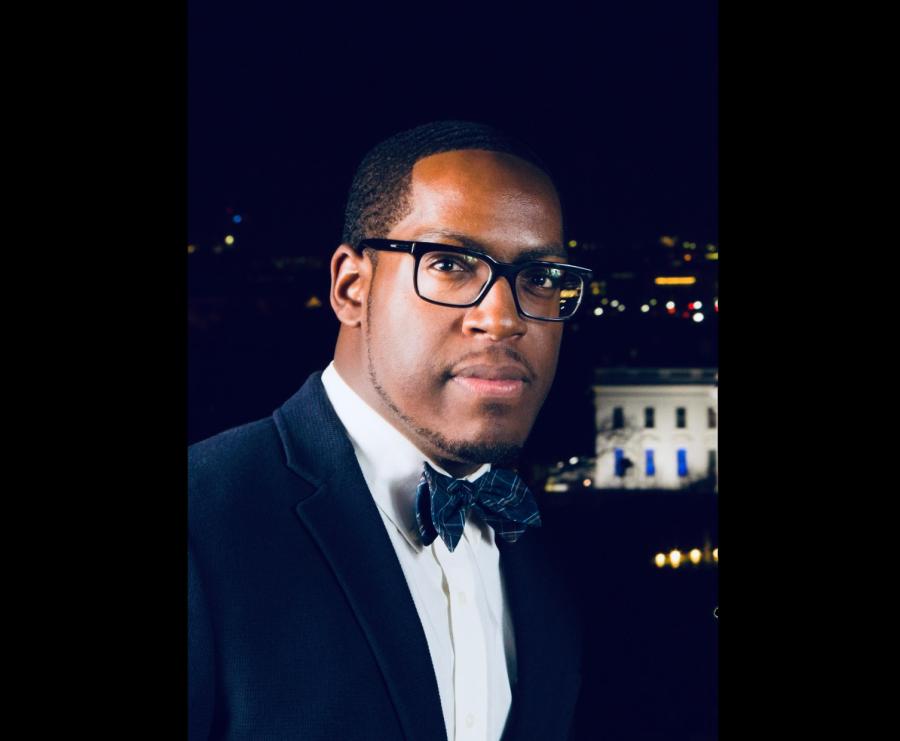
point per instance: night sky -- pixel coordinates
(620, 103)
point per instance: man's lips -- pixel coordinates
(505, 381)
(508, 372)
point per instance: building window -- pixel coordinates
(622, 463)
(649, 417)
(711, 463)
(650, 467)
(682, 462)
(681, 417)
(618, 418)
(711, 418)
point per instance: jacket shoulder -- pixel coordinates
(240, 450)
(233, 469)
(233, 448)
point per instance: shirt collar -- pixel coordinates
(391, 463)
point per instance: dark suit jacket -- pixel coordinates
(301, 624)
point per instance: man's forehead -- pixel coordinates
(470, 172)
(482, 200)
(475, 162)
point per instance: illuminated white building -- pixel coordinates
(663, 421)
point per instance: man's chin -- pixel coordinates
(486, 440)
(497, 452)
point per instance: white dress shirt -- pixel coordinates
(460, 595)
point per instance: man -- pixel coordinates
(364, 564)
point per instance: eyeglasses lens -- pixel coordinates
(543, 291)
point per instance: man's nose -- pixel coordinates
(496, 314)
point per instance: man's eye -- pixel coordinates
(545, 278)
(453, 264)
(446, 266)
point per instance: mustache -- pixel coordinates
(494, 356)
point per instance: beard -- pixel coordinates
(497, 452)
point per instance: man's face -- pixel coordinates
(422, 357)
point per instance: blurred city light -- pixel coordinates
(698, 305)
(573, 460)
(695, 556)
(670, 304)
(573, 243)
(675, 280)
(645, 308)
(698, 317)
(229, 240)
(586, 482)
(236, 218)
(192, 248)
(598, 311)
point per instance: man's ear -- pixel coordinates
(351, 274)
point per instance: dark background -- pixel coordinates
(622, 104)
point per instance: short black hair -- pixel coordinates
(379, 194)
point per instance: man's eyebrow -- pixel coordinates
(534, 253)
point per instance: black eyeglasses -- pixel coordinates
(455, 276)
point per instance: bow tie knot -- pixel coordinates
(500, 496)
(461, 487)
(463, 494)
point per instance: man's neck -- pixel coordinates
(455, 469)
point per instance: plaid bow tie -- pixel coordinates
(499, 496)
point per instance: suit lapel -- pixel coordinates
(547, 640)
(342, 518)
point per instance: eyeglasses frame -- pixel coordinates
(507, 270)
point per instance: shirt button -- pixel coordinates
(470, 720)
(462, 598)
